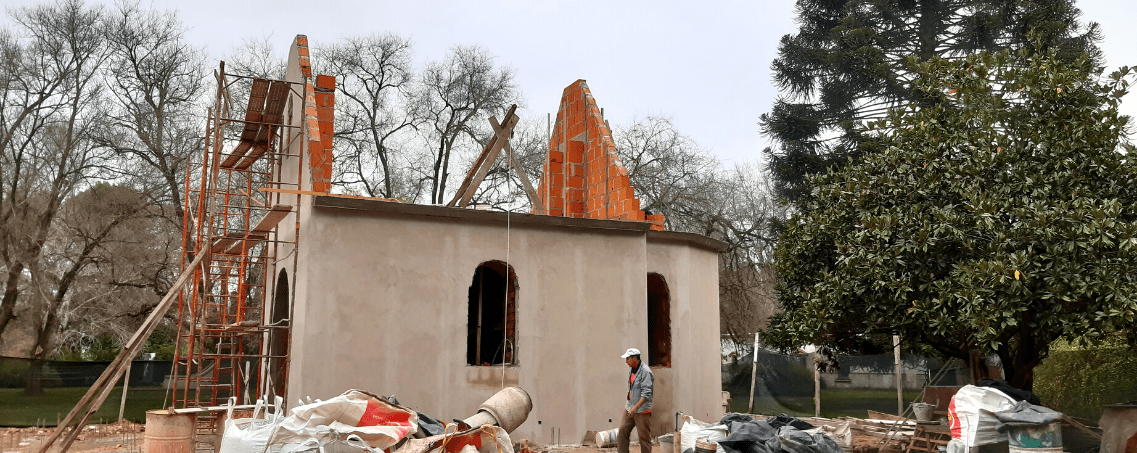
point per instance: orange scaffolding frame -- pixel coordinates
(224, 330)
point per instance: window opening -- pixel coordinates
(658, 321)
(492, 318)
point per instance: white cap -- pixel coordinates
(630, 352)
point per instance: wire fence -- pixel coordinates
(785, 384)
(62, 383)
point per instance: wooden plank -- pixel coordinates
(273, 113)
(485, 160)
(253, 115)
(273, 217)
(529, 192)
(325, 194)
(1076, 424)
(225, 242)
(500, 139)
(883, 416)
(116, 369)
(246, 243)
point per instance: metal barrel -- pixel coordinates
(168, 433)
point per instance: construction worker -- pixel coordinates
(637, 411)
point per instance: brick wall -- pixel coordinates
(583, 176)
(319, 117)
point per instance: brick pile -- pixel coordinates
(583, 176)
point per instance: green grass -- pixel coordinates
(834, 403)
(23, 410)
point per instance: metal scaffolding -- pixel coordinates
(230, 344)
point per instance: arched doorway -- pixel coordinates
(492, 316)
(278, 335)
(658, 321)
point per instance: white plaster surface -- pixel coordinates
(381, 303)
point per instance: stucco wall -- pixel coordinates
(382, 300)
(693, 384)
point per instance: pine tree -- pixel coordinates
(848, 64)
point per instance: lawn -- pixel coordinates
(834, 403)
(55, 403)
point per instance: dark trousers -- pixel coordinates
(623, 437)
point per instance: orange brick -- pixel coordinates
(576, 181)
(556, 156)
(326, 81)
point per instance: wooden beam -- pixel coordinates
(116, 368)
(325, 194)
(485, 160)
(274, 216)
(532, 194)
(253, 115)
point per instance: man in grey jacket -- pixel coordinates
(637, 411)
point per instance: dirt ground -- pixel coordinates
(126, 437)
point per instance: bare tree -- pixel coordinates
(157, 82)
(502, 187)
(674, 177)
(671, 174)
(86, 224)
(374, 115)
(457, 95)
(51, 94)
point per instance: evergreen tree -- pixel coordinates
(848, 64)
(996, 219)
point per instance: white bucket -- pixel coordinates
(606, 438)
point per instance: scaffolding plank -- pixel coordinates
(273, 113)
(254, 114)
(223, 243)
(244, 244)
(274, 216)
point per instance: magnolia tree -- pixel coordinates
(996, 218)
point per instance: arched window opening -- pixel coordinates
(658, 321)
(492, 319)
(278, 335)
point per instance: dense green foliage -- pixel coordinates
(997, 218)
(1079, 380)
(848, 64)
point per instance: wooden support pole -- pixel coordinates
(816, 386)
(899, 376)
(105, 383)
(125, 388)
(753, 375)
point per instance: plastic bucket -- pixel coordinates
(168, 433)
(1035, 439)
(606, 438)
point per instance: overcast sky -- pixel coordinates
(705, 65)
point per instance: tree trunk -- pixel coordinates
(33, 383)
(11, 293)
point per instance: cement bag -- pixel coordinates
(250, 434)
(483, 439)
(693, 430)
(972, 415)
(378, 423)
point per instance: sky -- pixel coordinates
(704, 65)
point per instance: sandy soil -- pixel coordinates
(126, 437)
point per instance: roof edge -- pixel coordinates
(333, 203)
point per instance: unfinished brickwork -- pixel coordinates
(583, 176)
(319, 113)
